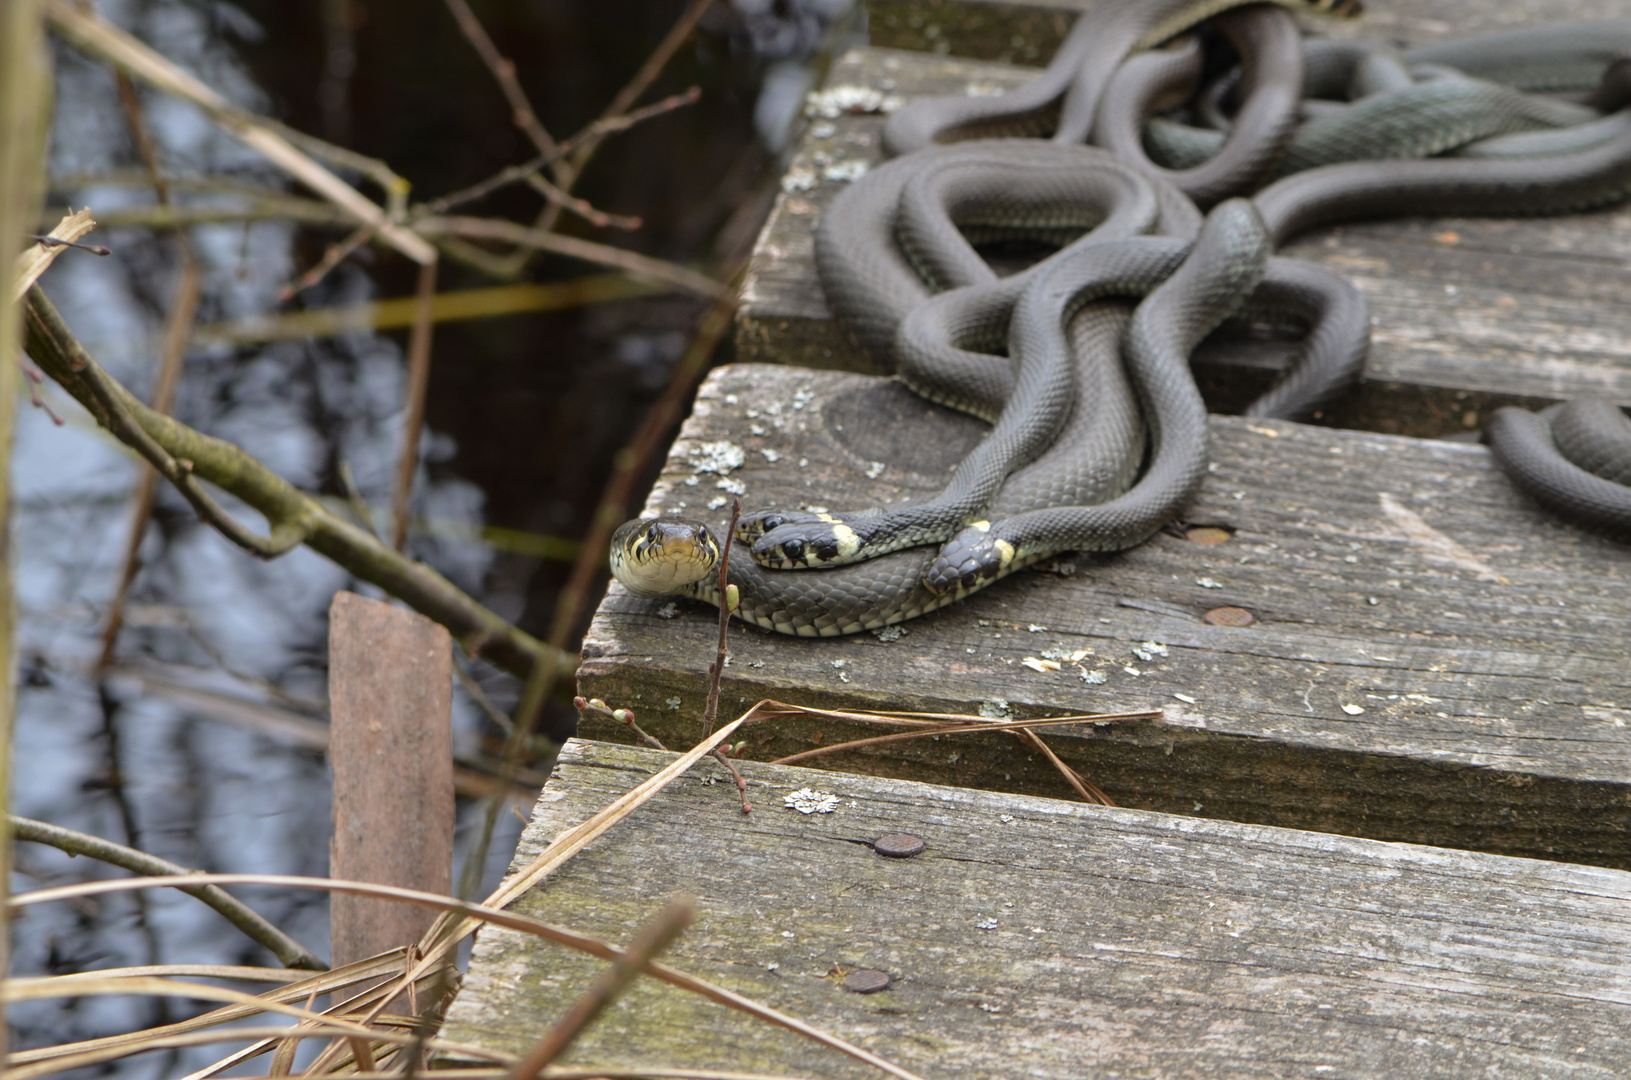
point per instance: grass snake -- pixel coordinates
(1080, 362)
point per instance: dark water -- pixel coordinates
(524, 416)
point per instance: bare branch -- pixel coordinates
(293, 515)
(291, 952)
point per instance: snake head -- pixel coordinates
(806, 541)
(755, 523)
(658, 556)
(970, 560)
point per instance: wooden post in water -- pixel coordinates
(391, 751)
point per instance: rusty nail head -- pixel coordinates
(898, 846)
(865, 981)
(1229, 616)
(1206, 534)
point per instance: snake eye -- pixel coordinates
(772, 521)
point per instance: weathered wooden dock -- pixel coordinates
(1403, 577)
(1360, 629)
(1039, 938)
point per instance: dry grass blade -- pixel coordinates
(478, 913)
(935, 730)
(235, 911)
(574, 1074)
(196, 971)
(112, 1046)
(36, 259)
(12, 990)
(937, 724)
(36, 989)
(177, 329)
(150, 1042)
(575, 840)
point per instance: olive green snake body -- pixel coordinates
(1099, 436)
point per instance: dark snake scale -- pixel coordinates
(1081, 362)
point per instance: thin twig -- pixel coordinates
(515, 173)
(630, 463)
(622, 716)
(51, 241)
(285, 948)
(332, 257)
(177, 328)
(568, 171)
(36, 260)
(407, 462)
(716, 670)
(630, 262)
(503, 70)
(659, 58)
(353, 497)
(95, 35)
(647, 945)
(581, 207)
(472, 688)
(292, 514)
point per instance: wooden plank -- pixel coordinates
(1469, 313)
(1029, 32)
(1045, 939)
(1433, 658)
(391, 749)
(1010, 33)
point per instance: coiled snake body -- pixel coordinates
(1099, 434)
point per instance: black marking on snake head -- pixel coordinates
(826, 550)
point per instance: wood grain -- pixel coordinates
(1432, 658)
(391, 748)
(1044, 939)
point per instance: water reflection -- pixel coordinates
(203, 744)
(121, 760)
